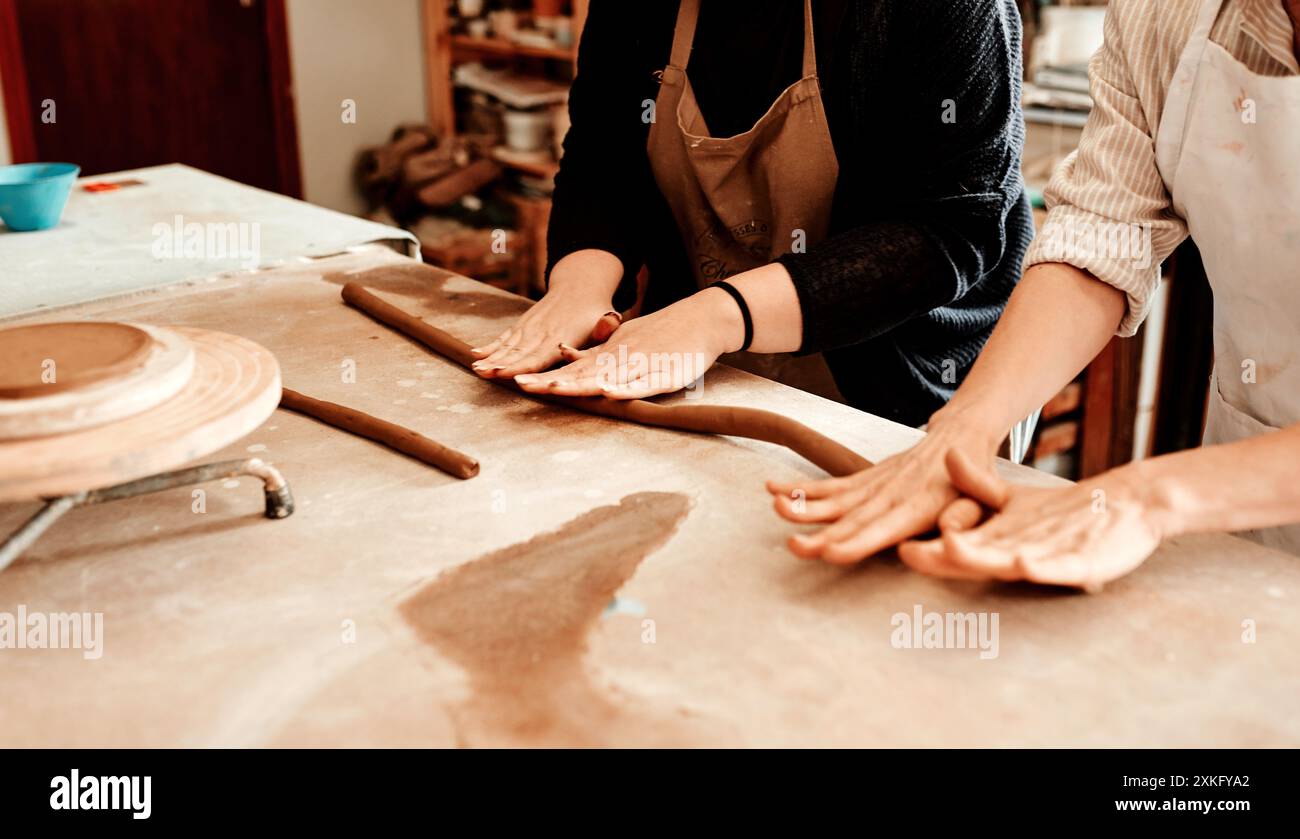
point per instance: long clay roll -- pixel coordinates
(752, 423)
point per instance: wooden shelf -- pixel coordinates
(467, 45)
(444, 50)
(525, 163)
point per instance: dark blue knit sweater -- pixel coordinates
(929, 223)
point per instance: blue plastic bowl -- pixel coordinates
(32, 195)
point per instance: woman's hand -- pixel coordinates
(879, 507)
(575, 311)
(1082, 535)
(658, 353)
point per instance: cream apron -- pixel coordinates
(740, 202)
(1228, 148)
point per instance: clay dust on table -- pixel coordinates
(426, 283)
(517, 620)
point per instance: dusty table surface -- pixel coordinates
(347, 625)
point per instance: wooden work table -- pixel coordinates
(225, 628)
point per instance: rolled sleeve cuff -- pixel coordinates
(1120, 254)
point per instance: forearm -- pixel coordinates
(589, 273)
(1245, 485)
(1056, 321)
(773, 306)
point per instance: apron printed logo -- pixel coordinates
(748, 229)
(712, 268)
(753, 237)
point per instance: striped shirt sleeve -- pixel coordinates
(1109, 211)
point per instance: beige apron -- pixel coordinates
(1227, 149)
(740, 202)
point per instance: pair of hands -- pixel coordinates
(1083, 535)
(658, 353)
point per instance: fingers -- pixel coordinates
(489, 348)
(581, 378)
(795, 505)
(605, 327)
(569, 353)
(886, 505)
(934, 557)
(639, 388)
(992, 551)
(509, 348)
(519, 352)
(931, 557)
(488, 354)
(962, 514)
(814, 489)
(965, 550)
(813, 545)
(823, 500)
(539, 358)
(866, 530)
(536, 343)
(600, 372)
(898, 524)
(983, 485)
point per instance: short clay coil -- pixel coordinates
(394, 436)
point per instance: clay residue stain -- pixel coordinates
(517, 621)
(425, 282)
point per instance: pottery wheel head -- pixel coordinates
(196, 392)
(48, 358)
(61, 377)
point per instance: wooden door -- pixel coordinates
(119, 84)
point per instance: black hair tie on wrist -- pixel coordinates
(744, 311)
